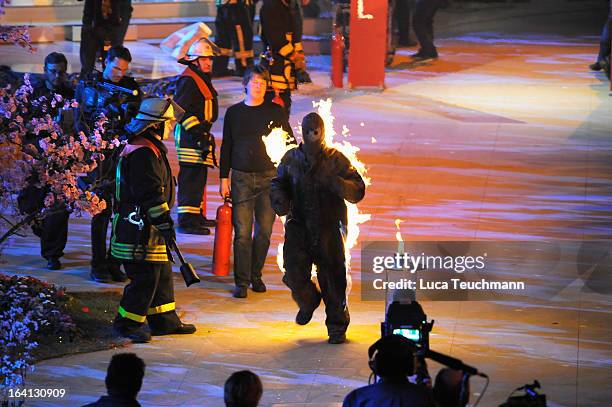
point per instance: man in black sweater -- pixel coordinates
(244, 152)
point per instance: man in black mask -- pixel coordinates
(312, 183)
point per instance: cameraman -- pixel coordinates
(392, 359)
(119, 107)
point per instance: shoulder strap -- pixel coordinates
(140, 142)
(204, 90)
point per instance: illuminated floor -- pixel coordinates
(497, 140)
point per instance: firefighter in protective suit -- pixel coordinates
(234, 30)
(281, 57)
(312, 183)
(143, 227)
(195, 144)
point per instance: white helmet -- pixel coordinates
(201, 48)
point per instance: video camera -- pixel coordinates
(410, 321)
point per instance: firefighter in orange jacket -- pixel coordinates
(142, 226)
(281, 57)
(195, 144)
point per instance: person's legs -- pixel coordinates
(90, 43)
(161, 315)
(423, 26)
(136, 300)
(223, 41)
(298, 267)
(54, 234)
(243, 204)
(191, 184)
(242, 37)
(264, 221)
(99, 253)
(332, 280)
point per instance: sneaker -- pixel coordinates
(596, 66)
(240, 292)
(182, 329)
(136, 335)
(336, 339)
(423, 58)
(116, 273)
(258, 286)
(193, 230)
(101, 275)
(53, 263)
(303, 317)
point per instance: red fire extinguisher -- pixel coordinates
(223, 239)
(337, 58)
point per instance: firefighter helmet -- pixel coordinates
(153, 111)
(201, 48)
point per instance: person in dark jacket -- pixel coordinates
(195, 144)
(119, 107)
(102, 20)
(143, 228)
(392, 359)
(53, 228)
(234, 28)
(278, 24)
(123, 381)
(311, 185)
(243, 152)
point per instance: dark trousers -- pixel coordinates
(424, 13)
(328, 256)
(234, 30)
(191, 184)
(100, 251)
(604, 43)
(251, 200)
(402, 15)
(92, 42)
(53, 233)
(148, 297)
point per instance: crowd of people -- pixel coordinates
(392, 360)
(136, 181)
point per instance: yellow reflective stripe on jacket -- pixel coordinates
(225, 52)
(188, 209)
(208, 110)
(281, 82)
(171, 306)
(190, 122)
(298, 47)
(158, 210)
(286, 50)
(189, 155)
(125, 251)
(132, 316)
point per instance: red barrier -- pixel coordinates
(368, 49)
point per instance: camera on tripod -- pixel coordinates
(408, 320)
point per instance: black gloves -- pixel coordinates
(165, 225)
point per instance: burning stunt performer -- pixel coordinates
(312, 183)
